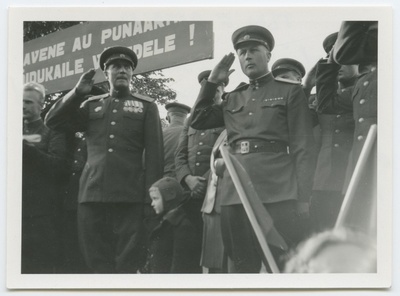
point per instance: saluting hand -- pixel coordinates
(85, 83)
(221, 71)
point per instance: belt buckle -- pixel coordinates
(244, 147)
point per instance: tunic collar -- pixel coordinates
(261, 80)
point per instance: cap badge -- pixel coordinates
(246, 37)
(121, 55)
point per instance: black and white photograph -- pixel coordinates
(199, 147)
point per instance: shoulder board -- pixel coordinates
(99, 97)
(240, 86)
(142, 97)
(287, 80)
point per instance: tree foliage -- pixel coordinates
(152, 84)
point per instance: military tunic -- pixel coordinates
(270, 111)
(194, 151)
(124, 158)
(335, 113)
(118, 132)
(171, 136)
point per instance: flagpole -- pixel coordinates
(355, 178)
(250, 213)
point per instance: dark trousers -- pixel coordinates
(39, 245)
(241, 243)
(72, 260)
(111, 236)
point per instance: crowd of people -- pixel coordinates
(107, 189)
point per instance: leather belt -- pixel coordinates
(253, 146)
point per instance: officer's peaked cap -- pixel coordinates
(205, 74)
(286, 64)
(329, 41)
(253, 34)
(177, 107)
(117, 53)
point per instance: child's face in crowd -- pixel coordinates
(156, 200)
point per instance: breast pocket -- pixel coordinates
(133, 122)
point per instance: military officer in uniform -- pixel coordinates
(176, 116)
(288, 69)
(335, 84)
(192, 162)
(270, 133)
(120, 128)
(43, 166)
(357, 43)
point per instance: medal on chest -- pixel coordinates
(133, 106)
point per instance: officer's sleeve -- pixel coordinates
(181, 156)
(154, 147)
(53, 159)
(357, 43)
(206, 114)
(329, 101)
(301, 142)
(68, 114)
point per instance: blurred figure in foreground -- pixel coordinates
(334, 251)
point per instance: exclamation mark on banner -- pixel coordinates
(191, 28)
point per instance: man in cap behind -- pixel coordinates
(334, 84)
(288, 70)
(192, 161)
(270, 133)
(120, 128)
(176, 117)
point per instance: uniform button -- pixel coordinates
(336, 145)
(360, 138)
(338, 116)
(253, 100)
(79, 149)
(250, 113)
(110, 150)
(116, 100)
(198, 152)
(366, 83)
(115, 111)
(362, 101)
(73, 174)
(112, 136)
(83, 139)
(233, 110)
(201, 143)
(361, 120)
(75, 161)
(112, 122)
(337, 131)
(202, 134)
(197, 164)
(373, 69)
